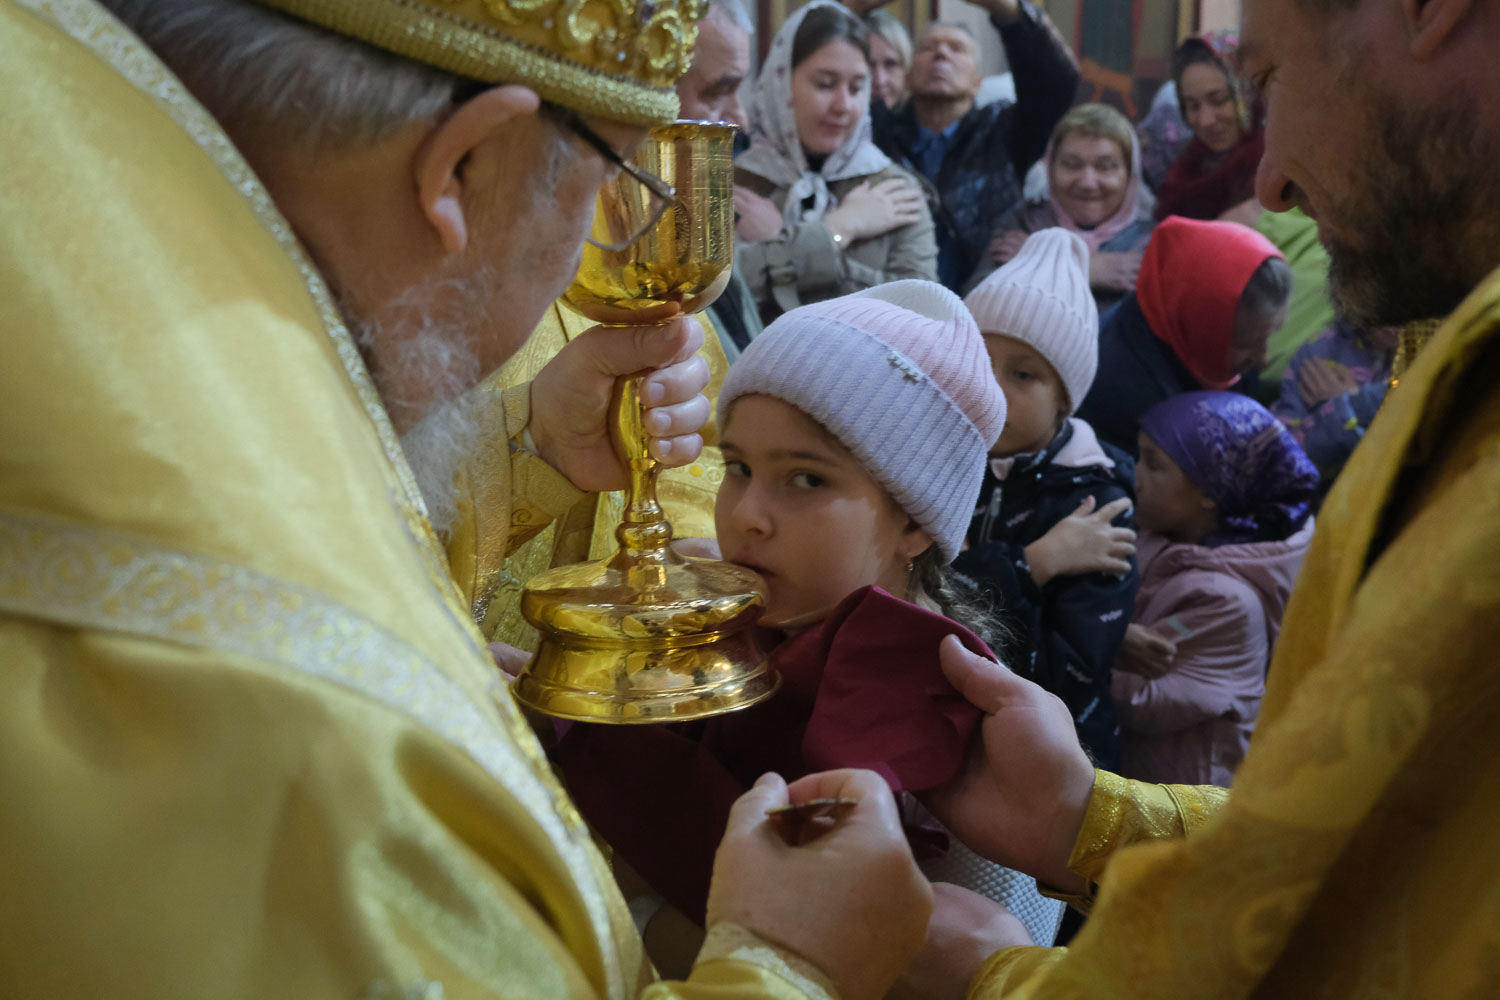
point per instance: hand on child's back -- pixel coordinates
(1083, 542)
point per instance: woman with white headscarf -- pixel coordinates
(822, 211)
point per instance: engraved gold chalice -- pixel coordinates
(648, 635)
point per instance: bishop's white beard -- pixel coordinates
(436, 448)
(436, 362)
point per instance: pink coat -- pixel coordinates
(1223, 608)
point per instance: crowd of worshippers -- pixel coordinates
(1142, 367)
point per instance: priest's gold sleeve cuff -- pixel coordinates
(539, 493)
(735, 962)
(1014, 973)
(1122, 812)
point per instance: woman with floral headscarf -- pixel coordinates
(822, 211)
(1224, 503)
(1216, 172)
(1094, 189)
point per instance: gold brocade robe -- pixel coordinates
(496, 547)
(1356, 855)
(251, 745)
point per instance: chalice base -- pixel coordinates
(631, 643)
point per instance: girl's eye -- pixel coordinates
(807, 481)
(737, 469)
(1024, 376)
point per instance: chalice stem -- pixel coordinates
(644, 533)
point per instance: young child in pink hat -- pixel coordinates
(1050, 539)
(854, 433)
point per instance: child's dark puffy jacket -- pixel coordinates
(1064, 635)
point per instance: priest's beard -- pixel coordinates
(426, 363)
(1421, 224)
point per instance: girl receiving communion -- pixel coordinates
(854, 434)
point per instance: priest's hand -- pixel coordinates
(571, 397)
(964, 930)
(1021, 798)
(852, 901)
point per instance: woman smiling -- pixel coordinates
(1095, 190)
(1216, 172)
(822, 211)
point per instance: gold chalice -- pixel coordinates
(648, 635)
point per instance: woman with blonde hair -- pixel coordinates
(890, 57)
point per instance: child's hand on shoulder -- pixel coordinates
(1083, 542)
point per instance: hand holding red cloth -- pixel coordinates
(863, 688)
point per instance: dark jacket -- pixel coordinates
(1064, 636)
(1137, 370)
(994, 145)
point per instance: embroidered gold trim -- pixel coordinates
(83, 577)
(737, 943)
(649, 57)
(1413, 337)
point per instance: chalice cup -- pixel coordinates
(648, 635)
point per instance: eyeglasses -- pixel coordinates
(627, 212)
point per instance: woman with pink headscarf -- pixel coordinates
(1095, 189)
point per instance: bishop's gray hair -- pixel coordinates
(268, 76)
(262, 73)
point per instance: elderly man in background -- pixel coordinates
(977, 157)
(253, 258)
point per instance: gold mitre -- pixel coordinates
(615, 58)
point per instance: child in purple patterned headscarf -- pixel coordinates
(1224, 501)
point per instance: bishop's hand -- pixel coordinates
(851, 901)
(571, 397)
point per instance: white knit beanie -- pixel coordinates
(1042, 297)
(899, 374)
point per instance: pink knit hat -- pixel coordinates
(899, 374)
(1042, 298)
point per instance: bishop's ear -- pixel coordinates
(440, 163)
